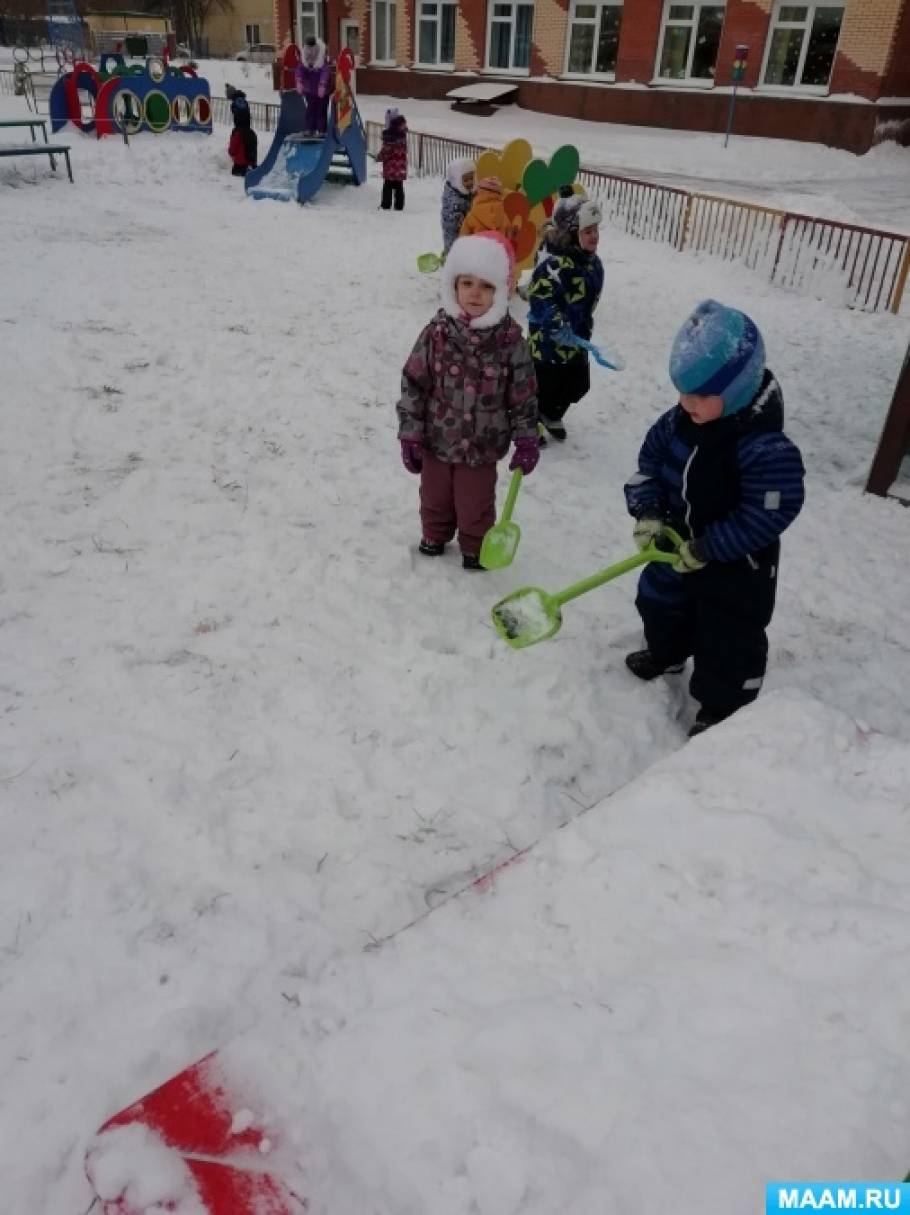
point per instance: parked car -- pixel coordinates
(259, 52)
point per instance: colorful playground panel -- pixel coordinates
(128, 99)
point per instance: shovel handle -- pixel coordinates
(651, 553)
(511, 496)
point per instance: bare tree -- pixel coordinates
(190, 17)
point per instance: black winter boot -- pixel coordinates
(555, 429)
(643, 664)
(704, 720)
(470, 561)
(431, 548)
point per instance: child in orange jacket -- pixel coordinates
(486, 213)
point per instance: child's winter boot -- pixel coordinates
(643, 664)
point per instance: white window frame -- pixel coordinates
(812, 90)
(391, 7)
(440, 65)
(250, 40)
(595, 21)
(512, 22)
(314, 12)
(688, 81)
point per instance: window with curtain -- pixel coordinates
(436, 33)
(510, 36)
(802, 44)
(383, 31)
(690, 40)
(593, 38)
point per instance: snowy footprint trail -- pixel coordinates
(247, 731)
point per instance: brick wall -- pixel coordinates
(864, 50)
(638, 40)
(470, 34)
(548, 51)
(897, 79)
(404, 32)
(281, 11)
(746, 21)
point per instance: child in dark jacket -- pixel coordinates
(467, 391)
(243, 146)
(719, 469)
(563, 294)
(456, 200)
(393, 156)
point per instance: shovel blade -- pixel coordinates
(499, 546)
(527, 616)
(428, 263)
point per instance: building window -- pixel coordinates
(309, 20)
(252, 35)
(690, 40)
(383, 31)
(593, 38)
(803, 43)
(510, 37)
(436, 38)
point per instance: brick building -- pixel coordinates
(825, 70)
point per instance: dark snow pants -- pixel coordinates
(717, 617)
(456, 496)
(560, 385)
(390, 190)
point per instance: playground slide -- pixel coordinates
(296, 166)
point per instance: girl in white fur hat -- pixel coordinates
(467, 391)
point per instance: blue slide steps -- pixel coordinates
(298, 164)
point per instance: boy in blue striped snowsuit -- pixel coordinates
(719, 469)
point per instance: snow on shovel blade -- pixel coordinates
(194, 1140)
(527, 616)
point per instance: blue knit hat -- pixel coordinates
(719, 352)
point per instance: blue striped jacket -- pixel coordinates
(733, 485)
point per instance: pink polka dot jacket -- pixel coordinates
(467, 393)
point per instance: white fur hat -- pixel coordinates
(488, 256)
(457, 171)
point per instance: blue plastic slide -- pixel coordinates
(297, 165)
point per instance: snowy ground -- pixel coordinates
(248, 732)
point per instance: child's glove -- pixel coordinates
(646, 531)
(412, 455)
(688, 558)
(526, 455)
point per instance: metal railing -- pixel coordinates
(865, 268)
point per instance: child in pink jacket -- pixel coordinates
(467, 391)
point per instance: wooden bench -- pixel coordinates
(481, 97)
(40, 149)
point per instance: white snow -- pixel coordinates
(248, 732)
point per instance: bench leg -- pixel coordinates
(68, 167)
(31, 131)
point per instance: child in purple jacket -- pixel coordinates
(315, 83)
(467, 391)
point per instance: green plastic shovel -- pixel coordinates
(429, 263)
(530, 614)
(501, 541)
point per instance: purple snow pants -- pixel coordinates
(456, 496)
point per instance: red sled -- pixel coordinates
(194, 1146)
